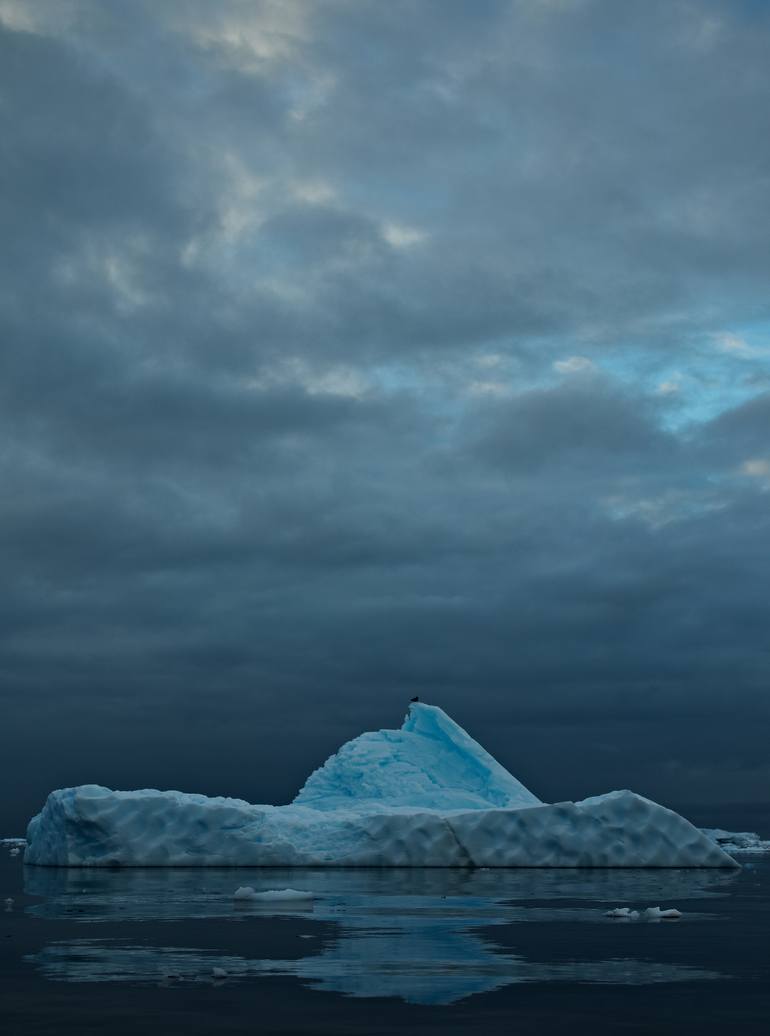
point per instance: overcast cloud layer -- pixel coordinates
(353, 350)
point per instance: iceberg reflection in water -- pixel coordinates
(420, 935)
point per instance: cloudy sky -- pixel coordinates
(353, 350)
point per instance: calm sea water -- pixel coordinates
(488, 951)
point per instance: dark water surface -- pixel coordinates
(488, 951)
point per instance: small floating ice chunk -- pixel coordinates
(623, 914)
(8, 903)
(649, 914)
(250, 895)
(284, 896)
(14, 852)
(219, 973)
(656, 914)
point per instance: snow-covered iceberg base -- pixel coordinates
(92, 826)
(426, 795)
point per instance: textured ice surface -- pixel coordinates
(424, 796)
(430, 763)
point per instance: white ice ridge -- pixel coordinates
(426, 795)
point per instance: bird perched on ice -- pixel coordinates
(416, 698)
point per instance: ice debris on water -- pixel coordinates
(649, 914)
(248, 894)
(14, 845)
(8, 903)
(656, 914)
(219, 973)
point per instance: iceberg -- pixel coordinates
(737, 841)
(426, 795)
(246, 894)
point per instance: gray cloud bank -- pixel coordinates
(357, 350)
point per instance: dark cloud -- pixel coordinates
(580, 422)
(353, 351)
